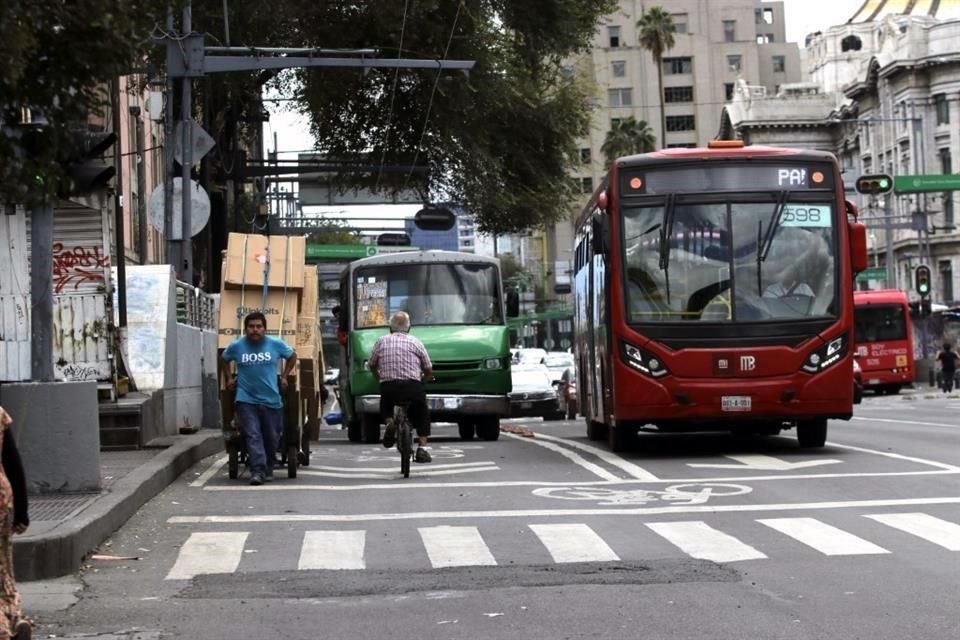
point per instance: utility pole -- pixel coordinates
(41, 293)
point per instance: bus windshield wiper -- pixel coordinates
(666, 232)
(764, 249)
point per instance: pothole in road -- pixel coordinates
(332, 584)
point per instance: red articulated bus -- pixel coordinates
(883, 335)
(714, 291)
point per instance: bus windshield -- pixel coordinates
(876, 323)
(433, 294)
(729, 261)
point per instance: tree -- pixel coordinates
(333, 232)
(57, 57)
(656, 30)
(627, 137)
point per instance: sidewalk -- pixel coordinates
(65, 527)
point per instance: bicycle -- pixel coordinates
(404, 437)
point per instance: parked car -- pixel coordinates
(567, 392)
(534, 394)
(857, 382)
(530, 355)
(558, 362)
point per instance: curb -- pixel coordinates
(60, 552)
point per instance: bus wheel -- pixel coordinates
(467, 429)
(596, 430)
(812, 433)
(371, 428)
(354, 430)
(620, 438)
(488, 428)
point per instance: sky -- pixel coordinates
(807, 16)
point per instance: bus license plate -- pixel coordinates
(873, 381)
(735, 403)
(526, 405)
(443, 403)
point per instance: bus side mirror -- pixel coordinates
(858, 246)
(598, 235)
(513, 304)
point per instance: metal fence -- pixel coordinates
(195, 308)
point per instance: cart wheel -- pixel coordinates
(233, 462)
(292, 462)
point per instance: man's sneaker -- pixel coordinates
(422, 455)
(268, 478)
(256, 480)
(389, 434)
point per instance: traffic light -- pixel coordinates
(84, 165)
(921, 278)
(874, 184)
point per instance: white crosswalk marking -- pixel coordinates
(822, 537)
(573, 543)
(333, 550)
(208, 552)
(456, 547)
(940, 532)
(702, 541)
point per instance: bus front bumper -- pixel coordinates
(448, 406)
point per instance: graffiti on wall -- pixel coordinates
(73, 267)
(76, 372)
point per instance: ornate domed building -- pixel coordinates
(872, 10)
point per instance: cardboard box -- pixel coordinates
(309, 298)
(281, 313)
(247, 256)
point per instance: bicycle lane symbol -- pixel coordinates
(678, 494)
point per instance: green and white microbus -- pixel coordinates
(458, 310)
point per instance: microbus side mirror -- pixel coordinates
(513, 304)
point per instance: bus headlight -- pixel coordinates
(643, 361)
(826, 355)
(492, 363)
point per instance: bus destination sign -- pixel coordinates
(708, 177)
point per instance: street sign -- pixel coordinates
(199, 209)
(920, 184)
(202, 142)
(340, 251)
(873, 273)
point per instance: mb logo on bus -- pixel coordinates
(748, 363)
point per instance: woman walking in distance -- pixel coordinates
(13, 519)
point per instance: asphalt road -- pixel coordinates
(687, 536)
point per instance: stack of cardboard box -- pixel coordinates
(251, 261)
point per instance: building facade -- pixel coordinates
(894, 109)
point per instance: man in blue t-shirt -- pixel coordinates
(259, 407)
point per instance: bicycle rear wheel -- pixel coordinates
(404, 441)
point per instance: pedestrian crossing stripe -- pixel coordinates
(464, 546)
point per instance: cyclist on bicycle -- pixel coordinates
(259, 407)
(401, 363)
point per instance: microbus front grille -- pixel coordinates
(456, 365)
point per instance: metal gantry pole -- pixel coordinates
(172, 247)
(186, 107)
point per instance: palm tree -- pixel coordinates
(656, 36)
(627, 137)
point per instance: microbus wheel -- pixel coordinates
(354, 430)
(812, 433)
(371, 428)
(467, 429)
(488, 428)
